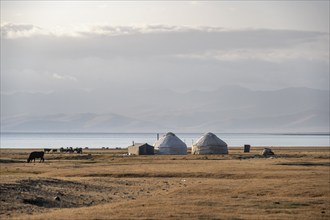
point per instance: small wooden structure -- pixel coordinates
(141, 149)
(247, 148)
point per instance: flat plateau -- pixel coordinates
(108, 184)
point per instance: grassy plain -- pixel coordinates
(106, 184)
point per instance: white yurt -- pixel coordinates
(209, 143)
(170, 144)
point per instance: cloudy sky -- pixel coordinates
(79, 48)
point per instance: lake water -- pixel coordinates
(113, 140)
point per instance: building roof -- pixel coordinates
(170, 144)
(139, 144)
(209, 139)
(209, 143)
(169, 140)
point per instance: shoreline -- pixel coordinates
(123, 140)
(164, 132)
(125, 148)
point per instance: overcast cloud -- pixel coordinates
(173, 57)
(47, 58)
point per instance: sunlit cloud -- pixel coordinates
(64, 77)
(30, 92)
(268, 55)
(10, 30)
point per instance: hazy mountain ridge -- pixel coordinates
(80, 122)
(228, 109)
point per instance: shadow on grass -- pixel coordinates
(11, 161)
(283, 205)
(308, 164)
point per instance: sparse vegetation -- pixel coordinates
(103, 184)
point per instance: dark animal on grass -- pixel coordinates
(54, 150)
(70, 150)
(78, 150)
(47, 150)
(36, 154)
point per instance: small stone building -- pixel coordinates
(141, 149)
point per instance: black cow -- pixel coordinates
(78, 150)
(70, 150)
(36, 154)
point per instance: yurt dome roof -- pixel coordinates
(170, 144)
(210, 139)
(209, 143)
(169, 140)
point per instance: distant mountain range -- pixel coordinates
(81, 122)
(228, 109)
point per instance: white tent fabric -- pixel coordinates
(209, 143)
(170, 144)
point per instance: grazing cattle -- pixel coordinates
(36, 154)
(78, 150)
(47, 150)
(54, 150)
(70, 150)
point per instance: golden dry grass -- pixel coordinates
(105, 184)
